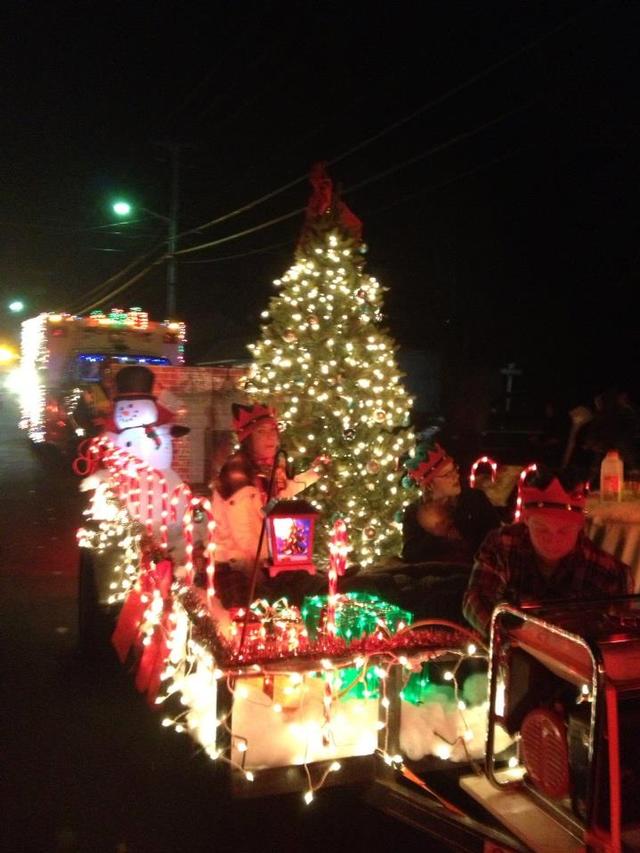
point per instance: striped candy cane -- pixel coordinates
(338, 550)
(483, 460)
(523, 476)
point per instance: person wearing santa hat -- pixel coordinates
(252, 476)
(546, 557)
(449, 522)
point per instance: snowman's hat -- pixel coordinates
(135, 382)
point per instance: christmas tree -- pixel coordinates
(329, 369)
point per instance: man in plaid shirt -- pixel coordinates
(544, 558)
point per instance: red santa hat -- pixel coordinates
(247, 418)
(541, 498)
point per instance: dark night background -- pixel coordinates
(515, 240)
(490, 148)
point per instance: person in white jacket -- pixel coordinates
(247, 481)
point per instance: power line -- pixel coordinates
(462, 86)
(468, 173)
(440, 147)
(93, 293)
(72, 229)
(241, 254)
(442, 185)
(364, 143)
(402, 121)
(272, 46)
(122, 287)
(231, 48)
(245, 207)
(377, 177)
(103, 249)
(246, 231)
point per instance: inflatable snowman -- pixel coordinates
(142, 428)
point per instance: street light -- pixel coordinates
(16, 306)
(121, 208)
(124, 208)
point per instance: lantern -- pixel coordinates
(290, 530)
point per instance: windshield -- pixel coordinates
(88, 365)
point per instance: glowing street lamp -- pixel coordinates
(16, 306)
(121, 208)
(125, 208)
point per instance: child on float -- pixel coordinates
(252, 476)
(449, 521)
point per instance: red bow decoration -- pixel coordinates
(320, 200)
(127, 629)
(153, 660)
(323, 198)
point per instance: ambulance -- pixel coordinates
(67, 365)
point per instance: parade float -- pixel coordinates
(349, 689)
(344, 686)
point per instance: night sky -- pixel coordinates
(497, 145)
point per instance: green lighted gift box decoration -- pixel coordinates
(356, 614)
(290, 531)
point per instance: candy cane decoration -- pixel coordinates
(164, 513)
(483, 460)
(187, 531)
(126, 472)
(180, 490)
(149, 520)
(210, 548)
(338, 550)
(523, 476)
(187, 527)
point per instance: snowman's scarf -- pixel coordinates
(149, 430)
(112, 426)
(127, 473)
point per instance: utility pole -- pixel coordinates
(174, 150)
(172, 222)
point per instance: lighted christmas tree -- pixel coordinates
(329, 369)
